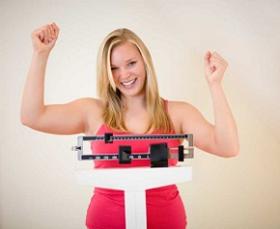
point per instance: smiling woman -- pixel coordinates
(127, 82)
(130, 75)
(129, 103)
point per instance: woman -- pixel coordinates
(129, 103)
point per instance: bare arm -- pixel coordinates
(69, 118)
(32, 105)
(225, 129)
(221, 138)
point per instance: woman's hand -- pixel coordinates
(44, 38)
(215, 67)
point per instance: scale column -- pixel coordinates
(135, 209)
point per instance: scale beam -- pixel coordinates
(158, 154)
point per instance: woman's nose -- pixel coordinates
(124, 73)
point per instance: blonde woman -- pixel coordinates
(129, 103)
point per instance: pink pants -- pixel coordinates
(165, 209)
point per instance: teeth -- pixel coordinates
(129, 82)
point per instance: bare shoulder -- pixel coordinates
(94, 114)
(179, 108)
(88, 105)
(91, 104)
(183, 115)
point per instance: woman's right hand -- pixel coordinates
(44, 38)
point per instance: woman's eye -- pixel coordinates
(132, 63)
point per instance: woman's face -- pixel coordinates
(128, 69)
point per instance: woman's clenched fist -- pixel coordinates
(44, 38)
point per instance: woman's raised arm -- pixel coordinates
(69, 118)
(222, 137)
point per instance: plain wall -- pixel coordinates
(37, 170)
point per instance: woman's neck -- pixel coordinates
(134, 104)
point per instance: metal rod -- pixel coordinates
(138, 137)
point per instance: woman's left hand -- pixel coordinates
(215, 67)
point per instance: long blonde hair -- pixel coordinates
(113, 113)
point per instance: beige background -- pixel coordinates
(38, 187)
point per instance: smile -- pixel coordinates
(128, 84)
